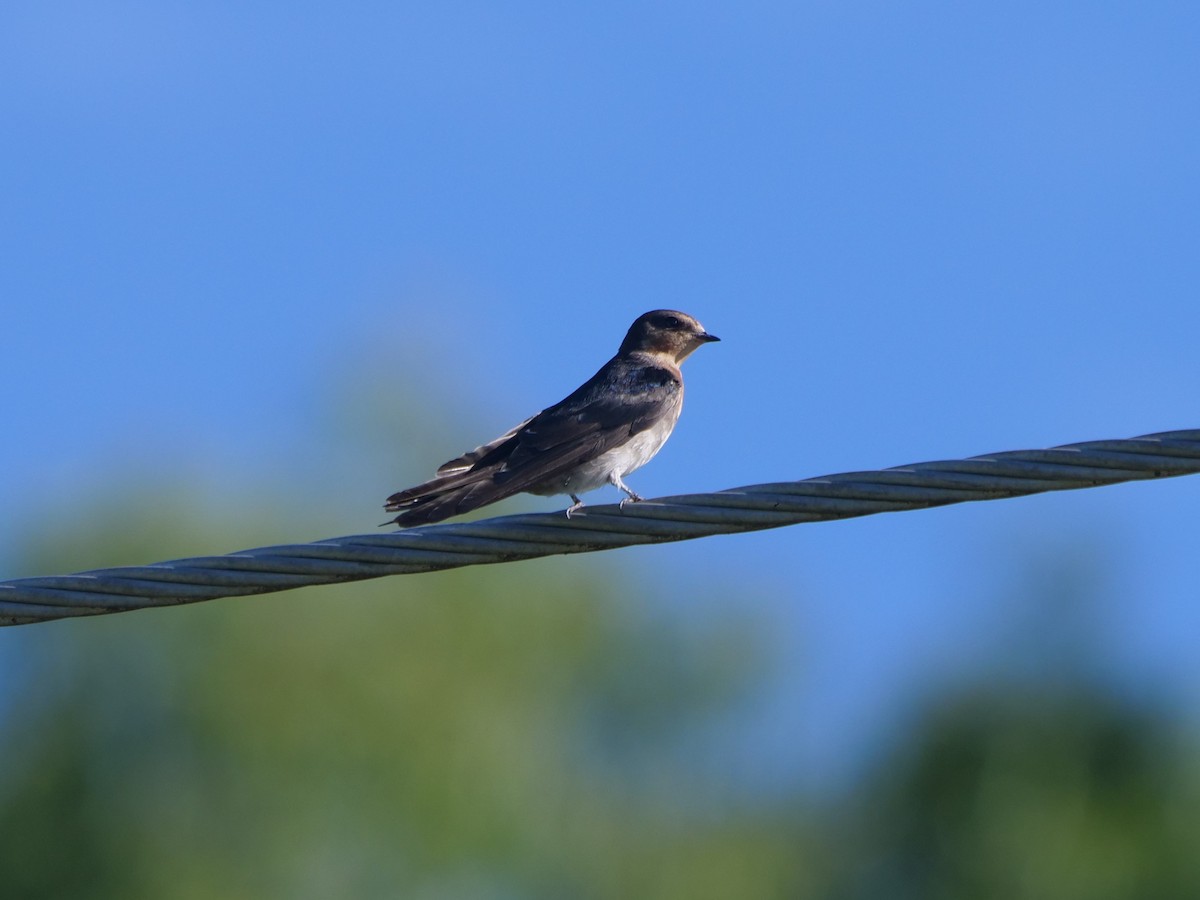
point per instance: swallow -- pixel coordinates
(611, 425)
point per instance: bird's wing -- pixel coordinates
(620, 401)
(616, 403)
(469, 459)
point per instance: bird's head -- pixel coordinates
(666, 331)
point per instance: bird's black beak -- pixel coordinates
(707, 338)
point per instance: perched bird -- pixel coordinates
(614, 423)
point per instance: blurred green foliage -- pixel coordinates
(524, 730)
(508, 731)
(1019, 791)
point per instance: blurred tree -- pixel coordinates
(509, 731)
(1042, 780)
(1019, 792)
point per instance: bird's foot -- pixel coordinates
(632, 498)
(574, 507)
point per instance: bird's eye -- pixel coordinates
(669, 322)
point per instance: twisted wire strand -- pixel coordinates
(754, 507)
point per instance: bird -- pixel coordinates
(614, 423)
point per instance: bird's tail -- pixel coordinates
(443, 497)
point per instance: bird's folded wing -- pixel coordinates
(471, 457)
(584, 426)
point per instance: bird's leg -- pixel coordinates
(578, 504)
(634, 496)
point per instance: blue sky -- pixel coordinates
(922, 230)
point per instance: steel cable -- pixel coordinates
(445, 546)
